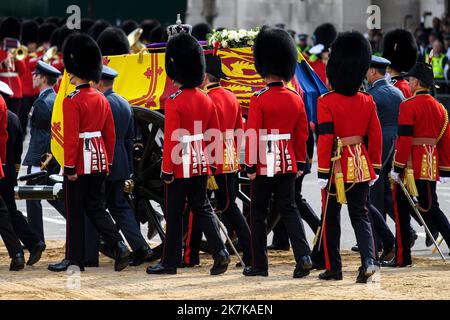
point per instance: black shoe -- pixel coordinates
(428, 241)
(355, 248)
(63, 266)
(141, 255)
(253, 272)
(278, 248)
(331, 275)
(17, 262)
(188, 265)
(393, 264)
(303, 267)
(36, 253)
(365, 272)
(413, 237)
(388, 254)
(106, 250)
(221, 262)
(161, 269)
(122, 256)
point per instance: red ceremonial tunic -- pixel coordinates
(3, 134)
(276, 132)
(422, 116)
(27, 78)
(403, 85)
(230, 122)
(342, 116)
(89, 133)
(189, 112)
(12, 76)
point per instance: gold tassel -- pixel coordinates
(340, 188)
(316, 236)
(411, 183)
(212, 184)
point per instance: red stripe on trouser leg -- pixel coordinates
(187, 251)
(324, 231)
(398, 231)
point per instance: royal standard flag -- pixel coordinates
(142, 80)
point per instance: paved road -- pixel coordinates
(54, 224)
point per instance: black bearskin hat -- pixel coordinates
(399, 47)
(201, 30)
(97, 28)
(54, 38)
(29, 32)
(147, 27)
(349, 61)
(45, 32)
(9, 28)
(86, 24)
(63, 33)
(82, 57)
(275, 53)
(325, 34)
(129, 26)
(53, 20)
(158, 34)
(185, 61)
(113, 41)
(39, 20)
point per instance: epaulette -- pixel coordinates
(176, 94)
(326, 93)
(290, 89)
(260, 92)
(73, 93)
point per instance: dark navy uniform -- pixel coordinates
(121, 170)
(41, 115)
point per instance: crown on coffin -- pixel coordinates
(178, 27)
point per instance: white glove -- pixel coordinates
(395, 176)
(443, 180)
(372, 182)
(322, 183)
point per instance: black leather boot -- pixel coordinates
(36, 253)
(17, 262)
(366, 271)
(331, 275)
(253, 272)
(122, 256)
(161, 269)
(143, 254)
(303, 267)
(221, 262)
(63, 266)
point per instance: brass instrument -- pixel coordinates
(20, 53)
(133, 39)
(50, 54)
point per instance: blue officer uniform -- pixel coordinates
(122, 168)
(41, 114)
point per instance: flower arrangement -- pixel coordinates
(232, 38)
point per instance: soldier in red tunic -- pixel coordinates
(277, 131)
(89, 140)
(226, 165)
(400, 48)
(422, 157)
(348, 170)
(11, 69)
(189, 114)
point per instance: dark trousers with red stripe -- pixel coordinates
(226, 204)
(434, 216)
(194, 191)
(283, 187)
(280, 237)
(85, 197)
(356, 203)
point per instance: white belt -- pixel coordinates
(9, 74)
(276, 137)
(90, 135)
(188, 139)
